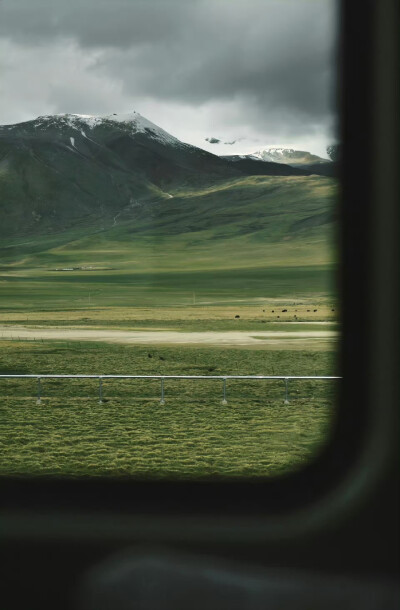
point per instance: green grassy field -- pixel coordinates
(248, 247)
(28, 290)
(192, 435)
(246, 239)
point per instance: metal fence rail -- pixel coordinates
(162, 378)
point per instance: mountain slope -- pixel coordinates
(330, 169)
(244, 222)
(57, 171)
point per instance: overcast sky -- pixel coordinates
(258, 73)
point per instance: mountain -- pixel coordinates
(288, 156)
(284, 162)
(56, 171)
(119, 193)
(70, 171)
(253, 166)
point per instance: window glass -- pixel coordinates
(168, 204)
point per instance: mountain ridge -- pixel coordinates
(296, 162)
(289, 156)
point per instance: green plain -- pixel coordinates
(249, 247)
(131, 434)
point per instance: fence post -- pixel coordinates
(100, 391)
(224, 401)
(286, 391)
(162, 401)
(39, 391)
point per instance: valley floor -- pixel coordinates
(241, 322)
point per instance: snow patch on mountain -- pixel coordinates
(74, 150)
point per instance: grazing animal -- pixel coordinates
(283, 310)
(161, 357)
(278, 316)
(237, 316)
(308, 309)
(315, 310)
(332, 310)
(273, 311)
(149, 355)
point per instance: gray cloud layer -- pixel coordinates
(266, 65)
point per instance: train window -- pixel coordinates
(169, 178)
(268, 489)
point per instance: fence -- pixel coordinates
(163, 378)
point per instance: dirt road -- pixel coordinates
(148, 337)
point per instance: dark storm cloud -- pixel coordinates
(276, 53)
(93, 23)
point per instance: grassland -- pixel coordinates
(192, 435)
(246, 239)
(250, 247)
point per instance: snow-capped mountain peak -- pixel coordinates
(133, 122)
(290, 156)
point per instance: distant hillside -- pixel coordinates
(257, 167)
(283, 162)
(247, 222)
(330, 168)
